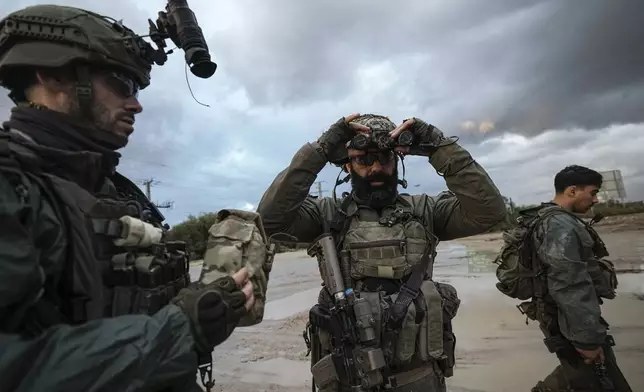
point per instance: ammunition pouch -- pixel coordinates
(237, 240)
(607, 285)
(324, 374)
(144, 283)
(423, 335)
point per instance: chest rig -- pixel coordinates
(116, 259)
(379, 250)
(141, 270)
(399, 333)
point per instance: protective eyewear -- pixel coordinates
(368, 159)
(122, 84)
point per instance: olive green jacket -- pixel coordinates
(473, 206)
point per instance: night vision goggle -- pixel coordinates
(380, 140)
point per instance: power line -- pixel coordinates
(148, 192)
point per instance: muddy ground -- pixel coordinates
(496, 350)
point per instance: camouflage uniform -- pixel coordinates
(572, 316)
(472, 206)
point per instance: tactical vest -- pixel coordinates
(117, 261)
(377, 253)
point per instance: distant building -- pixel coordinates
(612, 187)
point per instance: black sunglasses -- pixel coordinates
(368, 159)
(122, 85)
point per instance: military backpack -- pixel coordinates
(518, 268)
(237, 239)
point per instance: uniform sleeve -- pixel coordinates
(474, 203)
(570, 284)
(286, 206)
(124, 353)
(120, 354)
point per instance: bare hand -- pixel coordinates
(241, 278)
(359, 128)
(592, 356)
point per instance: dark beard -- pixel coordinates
(375, 196)
(99, 120)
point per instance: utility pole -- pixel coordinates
(319, 188)
(148, 192)
(148, 186)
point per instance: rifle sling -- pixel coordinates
(409, 291)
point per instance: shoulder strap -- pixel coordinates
(340, 222)
(540, 286)
(410, 289)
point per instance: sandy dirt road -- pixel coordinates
(494, 345)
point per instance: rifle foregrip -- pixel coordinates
(332, 270)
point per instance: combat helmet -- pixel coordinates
(375, 122)
(54, 36)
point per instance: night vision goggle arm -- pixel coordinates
(179, 24)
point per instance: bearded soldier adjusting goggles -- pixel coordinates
(378, 313)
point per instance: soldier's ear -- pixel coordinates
(345, 168)
(571, 191)
(55, 80)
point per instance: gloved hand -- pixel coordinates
(215, 309)
(427, 138)
(334, 140)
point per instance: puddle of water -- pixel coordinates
(279, 371)
(461, 260)
(291, 305)
(630, 283)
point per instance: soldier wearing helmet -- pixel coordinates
(92, 293)
(385, 242)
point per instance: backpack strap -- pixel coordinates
(540, 286)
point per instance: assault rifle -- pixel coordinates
(355, 358)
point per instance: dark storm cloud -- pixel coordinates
(288, 69)
(522, 65)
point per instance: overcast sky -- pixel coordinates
(528, 86)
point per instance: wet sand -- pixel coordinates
(495, 348)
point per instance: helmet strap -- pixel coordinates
(402, 182)
(84, 91)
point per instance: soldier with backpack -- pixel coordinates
(554, 261)
(394, 329)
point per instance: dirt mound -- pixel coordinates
(618, 223)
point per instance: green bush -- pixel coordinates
(194, 231)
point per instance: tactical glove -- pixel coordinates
(427, 138)
(213, 310)
(334, 140)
